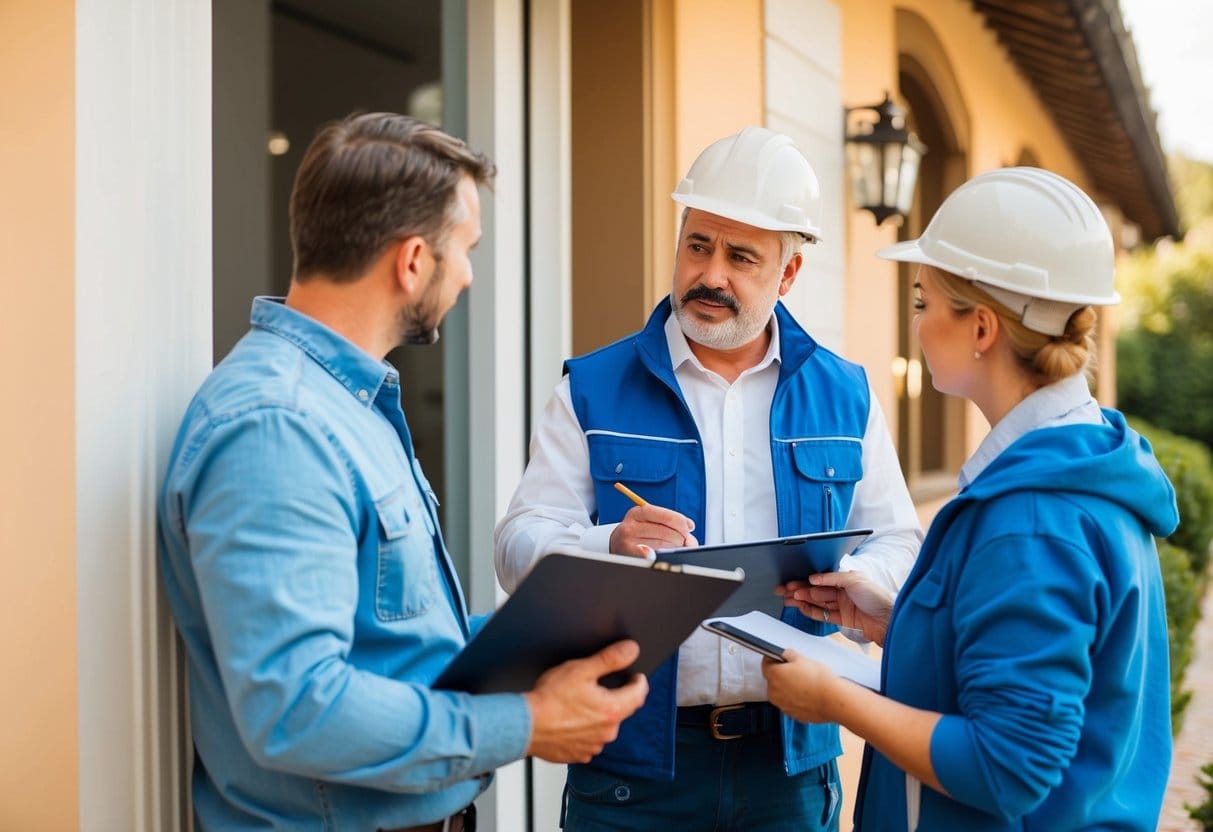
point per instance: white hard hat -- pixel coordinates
(1028, 237)
(757, 177)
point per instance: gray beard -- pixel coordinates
(726, 335)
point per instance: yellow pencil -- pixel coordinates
(630, 494)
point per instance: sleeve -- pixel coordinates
(554, 505)
(882, 503)
(272, 520)
(1025, 620)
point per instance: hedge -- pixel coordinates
(1189, 465)
(1183, 612)
(1184, 556)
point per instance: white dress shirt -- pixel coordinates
(555, 500)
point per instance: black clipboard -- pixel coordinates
(768, 563)
(571, 605)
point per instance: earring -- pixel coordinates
(977, 356)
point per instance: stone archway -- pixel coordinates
(930, 425)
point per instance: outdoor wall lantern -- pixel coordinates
(882, 161)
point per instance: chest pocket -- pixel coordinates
(827, 471)
(923, 636)
(647, 466)
(406, 575)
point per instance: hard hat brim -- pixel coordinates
(910, 251)
(907, 251)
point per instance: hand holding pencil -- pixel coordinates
(647, 527)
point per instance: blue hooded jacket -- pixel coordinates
(1034, 621)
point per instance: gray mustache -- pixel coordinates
(711, 296)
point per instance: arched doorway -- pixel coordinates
(931, 426)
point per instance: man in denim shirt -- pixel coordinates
(299, 541)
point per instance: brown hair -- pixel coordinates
(373, 178)
(1046, 358)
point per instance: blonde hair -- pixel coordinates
(1046, 358)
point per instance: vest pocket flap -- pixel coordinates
(830, 460)
(393, 515)
(633, 460)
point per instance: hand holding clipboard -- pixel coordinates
(848, 599)
(771, 637)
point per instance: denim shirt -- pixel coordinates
(303, 564)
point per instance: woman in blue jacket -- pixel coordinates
(1025, 678)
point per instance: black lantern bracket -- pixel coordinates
(883, 158)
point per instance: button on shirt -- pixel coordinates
(304, 567)
(551, 507)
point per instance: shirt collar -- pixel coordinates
(1062, 402)
(680, 349)
(357, 370)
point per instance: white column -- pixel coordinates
(803, 54)
(550, 209)
(495, 326)
(143, 343)
(549, 123)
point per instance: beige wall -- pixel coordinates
(608, 182)
(654, 82)
(1003, 119)
(717, 85)
(38, 705)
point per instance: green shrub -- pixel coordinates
(1184, 556)
(1190, 468)
(1183, 612)
(1203, 814)
(1165, 347)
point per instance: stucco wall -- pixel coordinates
(38, 707)
(1004, 118)
(715, 51)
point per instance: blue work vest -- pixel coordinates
(640, 432)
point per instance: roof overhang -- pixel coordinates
(1081, 62)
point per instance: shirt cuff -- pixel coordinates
(503, 729)
(598, 538)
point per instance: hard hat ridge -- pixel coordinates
(757, 177)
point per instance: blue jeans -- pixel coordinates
(719, 786)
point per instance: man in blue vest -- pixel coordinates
(733, 424)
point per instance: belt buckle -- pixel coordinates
(714, 724)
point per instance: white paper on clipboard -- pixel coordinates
(846, 662)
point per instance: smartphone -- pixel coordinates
(759, 645)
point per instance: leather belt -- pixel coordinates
(730, 722)
(461, 821)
